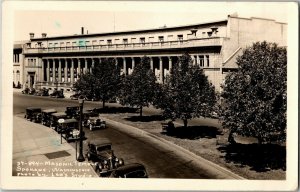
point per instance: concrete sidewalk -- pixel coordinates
(38, 151)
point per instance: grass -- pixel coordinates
(246, 158)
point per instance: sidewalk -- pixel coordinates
(37, 151)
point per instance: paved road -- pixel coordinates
(160, 161)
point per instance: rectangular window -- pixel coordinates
(151, 39)
(125, 41)
(68, 44)
(207, 60)
(133, 40)
(201, 60)
(62, 44)
(161, 38)
(101, 42)
(73, 44)
(170, 38)
(142, 40)
(109, 42)
(117, 41)
(180, 38)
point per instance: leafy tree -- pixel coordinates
(104, 81)
(255, 95)
(139, 88)
(187, 93)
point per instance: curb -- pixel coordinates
(134, 130)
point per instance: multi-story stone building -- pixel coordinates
(56, 62)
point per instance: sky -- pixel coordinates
(67, 18)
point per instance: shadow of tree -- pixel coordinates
(194, 132)
(260, 158)
(116, 110)
(145, 118)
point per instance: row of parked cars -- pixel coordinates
(44, 92)
(99, 151)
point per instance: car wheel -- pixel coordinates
(91, 127)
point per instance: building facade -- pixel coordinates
(56, 62)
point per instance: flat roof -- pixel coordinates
(132, 31)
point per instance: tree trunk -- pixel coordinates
(103, 103)
(141, 111)
(185, 122)
(231, 138)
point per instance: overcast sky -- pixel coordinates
(65, 18)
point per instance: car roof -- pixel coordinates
(71, 107)
(49, 110)
(70, 121)
(33, 108)
(129, 168)
(59, 114)
(100, 141)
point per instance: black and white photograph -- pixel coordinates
(149, 95)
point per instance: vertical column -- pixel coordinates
(48, 70)
(124, 66)
(151, 63)
(205, 61)
(53, 70)
(66, 71)
(59, 70)
(161, 70)
(85, 65)
(79, 67)
(170, 64)
(198, 59)
(133, 63)
(72, 71)
(93, 65)
(43, 69)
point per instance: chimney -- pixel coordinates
(82, 30)
(44, 35)
(31, 35)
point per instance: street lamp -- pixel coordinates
(80, 157)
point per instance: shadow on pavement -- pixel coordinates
(194, 132)
(116, 110)
(260, 158)
(145, 118)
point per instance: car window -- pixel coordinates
(103, 148)
(136, 174)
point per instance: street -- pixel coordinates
(160, 161)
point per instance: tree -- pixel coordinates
(187, 93)
(104, 81)
(255, 95)
(139, 87)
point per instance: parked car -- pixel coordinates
(86, 115)
(33, 114)
(54, 120)
(75, 96)
(100, 151)
(57, 94)
(46, 116)
(42, 92)
(31, 91)
(72, 111)
(95, 123)
(66, 129)
(133, 170)
(26, 90)
(91, 97)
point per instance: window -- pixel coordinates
(117, 41)
(133, 40)
(73, 44)
(68, 44)
(180, 38)
(201, 59)
(161, 38)
(109, 42)
(81, 43)
(151, 39)
(125, 41)
(62, 44)
(142, 40)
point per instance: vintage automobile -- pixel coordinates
(72, 111)
(33, 114)
(66, 129)
(86, 115)
(54, 120)
(91, 97)
(133, 170)
(75, 96)
(57, 94)
(95, 123)
(46, 116)
(42, 92)
(31, 91)
(26, 90)
(100, 151)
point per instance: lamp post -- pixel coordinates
(80, 157)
